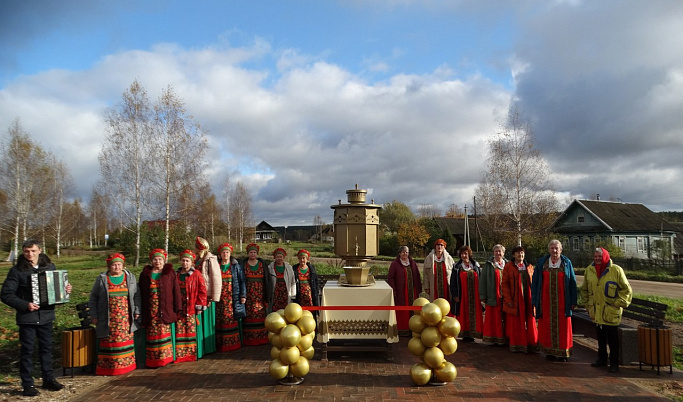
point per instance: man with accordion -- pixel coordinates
(34, 317)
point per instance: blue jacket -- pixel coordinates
(570, 290)
(239, 288)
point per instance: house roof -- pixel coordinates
(620, 216)
(264, 227)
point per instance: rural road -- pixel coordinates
(664, 289)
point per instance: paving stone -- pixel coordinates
(484, 372)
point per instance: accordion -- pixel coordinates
(48, 287)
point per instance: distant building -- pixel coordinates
(638, 231)
(265, 233)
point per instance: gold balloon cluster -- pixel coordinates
(291, 332)
(433, 338)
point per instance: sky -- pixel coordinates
(302, 100)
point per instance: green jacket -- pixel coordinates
(606, 297)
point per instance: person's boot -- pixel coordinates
(30, 391)
(599, 363)
(613, 368)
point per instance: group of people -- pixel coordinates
(516, 303)
(210, 303)
(214, 303)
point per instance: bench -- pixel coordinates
(649, 313)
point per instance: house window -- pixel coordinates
(641, 244)
(622, 242)
(575, 243)
(580, 219)
(586, 243)
(258, 236)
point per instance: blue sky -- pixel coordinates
(303, 99)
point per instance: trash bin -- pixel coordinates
(655, 347)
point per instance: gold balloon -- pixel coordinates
(420, 373)
(293, 313)
(275, 322)
(278, 370)
(306, 313)
(289, 355)
(300, 368)
(306, 324)
(416, 324)
(281, 312)
(431, 314)
(420, 301)
(444, 305)
(433, 357)
(276, 340)
(290, 335)
(449, 326)
(274, 352)
(270, 336)
(416, 347)
(305, 342)
(446, 372)
(431, 337)
(448, 345)
(308, 353)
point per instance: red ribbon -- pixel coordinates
(399, 308)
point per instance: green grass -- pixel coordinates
(675, 311)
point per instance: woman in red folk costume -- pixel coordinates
(115, 309)
(465, 290)
(285, 285)
(259, 284)
(554, 295)
(490, 294)
(404, 279)
(437, 272)
(306, 280)
(520, 324)
(161, 304)
(207, 264)
(193, 292)
(230, 308)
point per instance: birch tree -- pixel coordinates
(516, 187)
(124, 159)
(20, 164)
(242, 212)
(178, 153)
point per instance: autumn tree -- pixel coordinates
(178, 152)
(241, 210)
(20, 164)
(413, 234)
(516, 193)
(393, 214)
(124, 159)
(428, 211)
(99, 217)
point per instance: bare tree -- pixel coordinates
(178, 152)
(428, 211)
(60, 185)
(124, 159)
(516, 184)
(20, 164)
(241, 209)
(227, 193)
(99, 217)
(319, 224)
(454, 211)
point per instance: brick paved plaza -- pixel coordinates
(484, 372)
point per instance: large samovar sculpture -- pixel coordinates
(356, 238)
